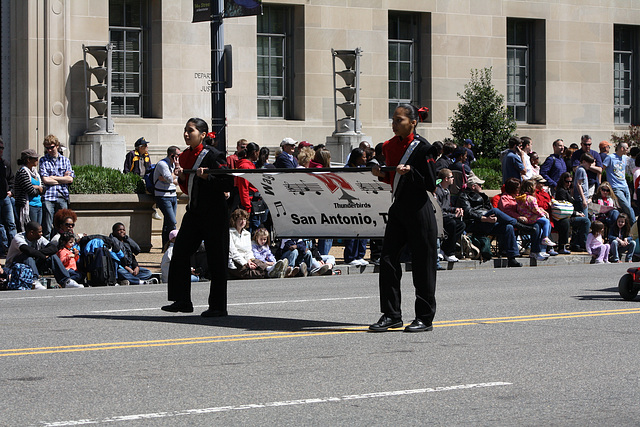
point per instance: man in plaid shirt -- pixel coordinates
(57, 175)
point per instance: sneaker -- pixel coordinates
(279, 268)
(124, 282)
(320, 270)
(73, 284)
(564, 251)
(362, 261)
(441, 256)
(548, 242)
(152, 281)
(292, 272)
(37, 284)
(155, 215)
(551, 252)
(303, 269)
(451, 258)
(598, 261)
(538, 256)
(355, 262)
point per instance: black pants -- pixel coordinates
(454, 227)
(213, 228)
(416, 228)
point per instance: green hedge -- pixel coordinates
(492, 178)
(100, 180)
(487, 163)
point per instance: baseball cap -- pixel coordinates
(473, 179)
(305, 144)
(468, 141)
(140, 141)
(288, 141)
(29, 153)
(539, 178)
(604, 144)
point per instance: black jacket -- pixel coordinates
(412, 186)
(474, 205)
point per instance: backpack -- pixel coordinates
(97, 262)
(20, 277)
(149, 183)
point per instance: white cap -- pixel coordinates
(288, 141)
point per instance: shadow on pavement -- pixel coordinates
(250, 323)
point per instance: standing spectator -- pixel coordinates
(595, 170)
(7, 203)
(445, 160)
(459, 157)
(615, 165)
(129, 272)
(567, 155)
(250, 199)
(137, 160)
(581, 184)
(636, 185)
(526, 160)
(512, 166)
(232, 160)
(631, 160)
(535, 162)
(286, 158)
(305, 156)
(355, 249)
(28, 187)
(578, 222)
(554, 166)
(451, 216)
(468, 145)
(57, 175)
(165, 179)
(604, 147)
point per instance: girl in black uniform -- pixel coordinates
(207, 218)
(411, 221)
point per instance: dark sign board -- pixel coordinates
(202, 11)
(235, 8)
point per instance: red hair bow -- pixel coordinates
(212, 135)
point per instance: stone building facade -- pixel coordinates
(567, 67)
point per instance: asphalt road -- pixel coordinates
(529, 346)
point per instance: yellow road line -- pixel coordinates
(293, 334)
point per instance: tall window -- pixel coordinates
(273, 38)
(526, 69)
(403, 59)
(128, 34)
(623, 47)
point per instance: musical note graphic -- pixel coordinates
(370, 187)
(279, 205)
(303, 187)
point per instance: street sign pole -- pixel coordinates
(218, 92)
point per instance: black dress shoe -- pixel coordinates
(179, 307)
(214, 313)
(513, 263)
(385, 323)
(418, 326)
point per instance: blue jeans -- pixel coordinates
(35, 214)
(168, 206)
(49, 209)
(8, 220)
(143, 274)
(59, 272)
(295, 259)
(617, 250)
(354, 249)
(324, 246)
(256, 220)
(624, 197)
(503, 228)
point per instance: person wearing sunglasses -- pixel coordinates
(595, 169)
(57, 174)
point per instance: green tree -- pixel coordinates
(482, 116)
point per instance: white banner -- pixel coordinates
(324, 204)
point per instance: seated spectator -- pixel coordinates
(460, 161)
(483, 219)
(166, 259)
(137, 160)
(451, 216)
(305, 155)
(242, 262)
(285, 158)
(232, 160)
(530, 213)
(578, 222)
(620, 240)
(68, 255)
(595, 244)
(28, 189)
(604, 196)
(444, 161)
(262, 252)
(128, 271)
(64, 221)
(30, 248)
(297, 254)
(263, 159)
(323, 158)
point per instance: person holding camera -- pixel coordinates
(165, 179)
